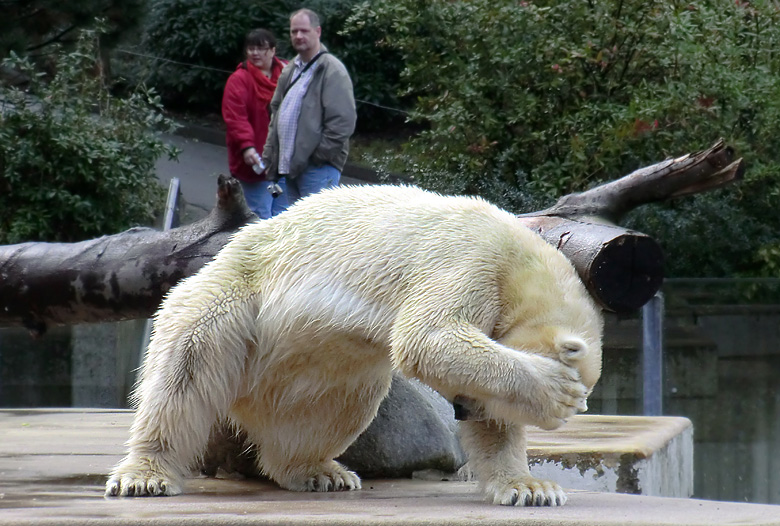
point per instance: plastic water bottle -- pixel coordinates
(259, 166)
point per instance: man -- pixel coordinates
(313, 114)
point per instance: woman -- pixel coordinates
(245, 110)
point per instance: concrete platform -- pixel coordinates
(618, 454)
(53, 465)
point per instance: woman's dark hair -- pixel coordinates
(259, 38)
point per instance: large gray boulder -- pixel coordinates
(414, 430)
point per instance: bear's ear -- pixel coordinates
(571, 349)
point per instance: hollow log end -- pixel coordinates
(626, 273)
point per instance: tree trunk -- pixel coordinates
(125, 276)
(621, 268)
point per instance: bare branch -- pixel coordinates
(686, 175)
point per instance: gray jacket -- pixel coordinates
(325, 124)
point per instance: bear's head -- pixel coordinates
(580, 351)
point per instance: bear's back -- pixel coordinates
(383, 220)
(383, 230)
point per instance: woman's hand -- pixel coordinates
(251, 157)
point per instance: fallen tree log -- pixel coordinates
(111, 278)
(622, 269)
(125, 276)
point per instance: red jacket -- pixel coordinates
(246, 119)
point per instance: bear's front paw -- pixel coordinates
(525, 491)
(129, 482)
(562, 395)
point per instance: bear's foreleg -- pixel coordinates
(514, 386)
(497, 456)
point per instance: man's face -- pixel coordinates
(304, 38)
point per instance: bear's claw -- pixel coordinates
(334, 482)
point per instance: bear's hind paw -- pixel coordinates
(329, 477)
(526, 491)
(135, 485)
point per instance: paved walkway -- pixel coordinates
(203, 157)
(53, 465)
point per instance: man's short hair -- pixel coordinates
(314, 18)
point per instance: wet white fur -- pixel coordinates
(294, 329)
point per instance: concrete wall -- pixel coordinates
(91, 365)
(722, 365)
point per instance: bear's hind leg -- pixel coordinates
(497, 455)
(191, 375)
(314, 417)
(297, 452)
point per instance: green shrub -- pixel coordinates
(548, 97)
(30, 27)
(76, 162)
(200, 44)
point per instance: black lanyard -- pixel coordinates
(304, 70)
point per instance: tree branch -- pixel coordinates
(621, 268)
(686, 175)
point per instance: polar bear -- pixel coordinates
(294, 330)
